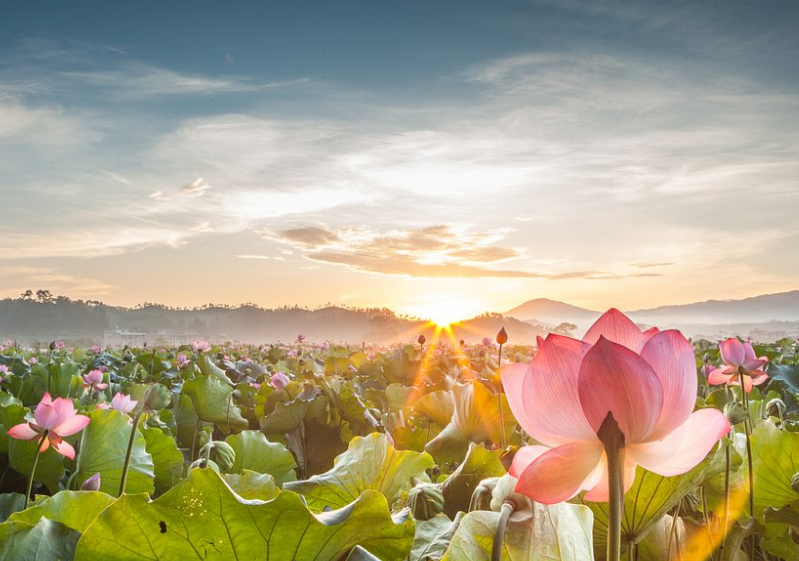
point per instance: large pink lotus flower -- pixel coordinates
(739, 358)
(58, 419)
(94, 380)
(561, 398)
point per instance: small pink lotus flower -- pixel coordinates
(300, 338)
(94, 380)
(96, 350)
(279, 381)
(487, 342)
(56, 418)
(182, 360)
(91, 484)
(562, 397)
(739, 358)
(60, 345)
(201, 345)
(33, 360)
(121, 403)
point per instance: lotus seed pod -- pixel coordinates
(735, 412)
(426, 501)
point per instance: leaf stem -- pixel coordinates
(748, 433)
(33, 469)
(502, 524)
(124, 479)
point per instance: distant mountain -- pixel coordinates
(783, 306)
(552, 312)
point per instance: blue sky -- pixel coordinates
(625, 154)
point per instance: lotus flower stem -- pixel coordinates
(748, 433)
(124, 479)
(502, 523)
(33, 468)
(499, 398)
(727, 472)
(612, 439)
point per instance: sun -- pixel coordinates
(444, 312)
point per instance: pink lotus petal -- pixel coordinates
(684, 448)
(600, 492)
(758, 377)
(46, 415)
(720, 376)
(615, 379)
(560, 473)
(524, 457)
(45, 444)
(65, 449)
(549, 404)
(64, 408)
(72, 425)
(22, 431)
(46, 400)
(732, 351)
(671, 356)
(615, 326)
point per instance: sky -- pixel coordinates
(428, 156)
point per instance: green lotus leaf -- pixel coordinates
(433, 537)
(438, 406)
(21, 453)
(208, 368)
(650, 497)
(44, 541)
(213, 402)
(475, 418)
(255, 453)
(73, 509)
(289, 416)
(560, 532)
(775, 460)
(251, 485)
(103, 446)
(478, 464)
(370, 462)
(781, 525)
(315, 445)
(167, 459)
(202, 518)
(10, 503)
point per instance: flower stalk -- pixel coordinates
(124, 479)
(748, 433)
(502, 524)
(33, 468)
(612, 439)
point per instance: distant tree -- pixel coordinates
(27, 295)
(565, 328)
(44, 296)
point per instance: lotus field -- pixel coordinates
(626, 444)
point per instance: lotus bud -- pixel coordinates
(157, 397)
(735, 412)
(426, 500)
(422, 339)
(502, 336)
(221, 452)
(91, 484)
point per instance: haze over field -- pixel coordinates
(439, 159)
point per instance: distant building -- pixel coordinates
(165, 337)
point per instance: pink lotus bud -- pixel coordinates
(502, 336)
(300, 337)
(91, 484)
(279, 381)
(486, 342)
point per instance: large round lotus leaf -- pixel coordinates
(478, 464)
(73, 509)
(202, 519)
(167, 458)
(437, 406)
(560, 532)
(251, 485)
(43, 541)
(213, 402)
(476, 418)
(370, 462)
(775, 459)
(433, 537)
(102, 450)
(255, 453)
(650, 497)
